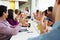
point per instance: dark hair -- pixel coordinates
(50, 8)
(10, 14)
(16, 11)
(2, 9)
(45, 12)
(20, 12)
(27, 9)
(37, 11)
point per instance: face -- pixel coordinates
(50, 23)
(43, 13)
(49, 12)
(5, 14)
(18, 12)
(26, 8)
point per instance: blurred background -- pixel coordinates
(33, 5)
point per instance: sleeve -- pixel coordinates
(53, 34)
(11, 22)
(56, 25)
(8, 30)
(47, 18)
(16, 22)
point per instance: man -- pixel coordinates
(6, 30)
(54, 34)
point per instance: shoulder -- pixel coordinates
(56, 25)
(3, 25)
(53, 35)
(10, 20)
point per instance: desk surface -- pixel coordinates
(26, 35)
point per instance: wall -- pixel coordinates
(6, 3)
(44, 4)
(10, 4)
(27, 4)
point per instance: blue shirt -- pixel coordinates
(52, 35)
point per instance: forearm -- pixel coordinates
(9, 30)
(43, 28)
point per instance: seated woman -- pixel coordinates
(21, 18)
(24, 21)
(47, 22)
(37, 15)
(17, 15)
(10, 18)
(44, 22)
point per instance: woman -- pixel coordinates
(43, 22)
(37, 15)
(24, 21)
(10, 18)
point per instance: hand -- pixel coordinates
(43, 25)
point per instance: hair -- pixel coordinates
(20, 12)
(37, 11)
(45, 12)
(50, 8)
(2, 9)
(16, 11)
(10, 14)
(27, 9)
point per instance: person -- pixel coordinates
(43, 19)
(21, 18)
(37, 15)
(27, 12)
(17, 14)
(49, 16)
(47, 24)
(54, 34)
(10, 18)
(6, 30)
(24, 21)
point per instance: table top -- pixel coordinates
(31, 33)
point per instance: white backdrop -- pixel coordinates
(44, 4)
(41, 5)
(6, 3)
